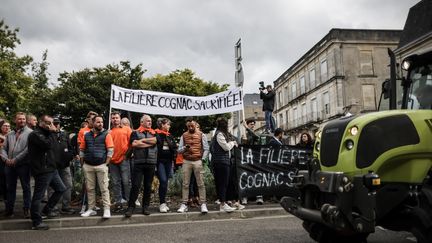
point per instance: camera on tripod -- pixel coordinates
(261, 87)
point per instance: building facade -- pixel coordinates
(252, 110)
(341, 74)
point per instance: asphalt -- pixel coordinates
(17, 222)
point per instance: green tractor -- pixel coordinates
(374, 169)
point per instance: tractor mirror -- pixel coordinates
(385, 89)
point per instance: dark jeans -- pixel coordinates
(2, 181)
(139, 171)
(12, 174)
(222, 176)
(232, 189)
(270, 126)
(42, 182)
(164, 172)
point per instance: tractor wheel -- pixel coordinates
(324, 234)
(422, 217)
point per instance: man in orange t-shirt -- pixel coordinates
(119, 166)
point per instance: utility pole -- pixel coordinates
(239, 78)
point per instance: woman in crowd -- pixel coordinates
(222, 144)
(166, 155)
(306, 141)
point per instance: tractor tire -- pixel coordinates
(324, 234)
(422, 217)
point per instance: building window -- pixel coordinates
(302, 85)
(314, 109)
(366, 63)
(312, 78)
(369, 100)
(303, 113)
(280, 99)
(286, 94)
(326, 103)
(294, 90)
(323, 70)
(295, 117)
(256, 115)
(281, 121)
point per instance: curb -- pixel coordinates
(70, 222)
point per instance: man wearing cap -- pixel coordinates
(64, 156)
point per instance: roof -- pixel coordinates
(252, 100)
(418, 23)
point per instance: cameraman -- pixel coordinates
(268, 97)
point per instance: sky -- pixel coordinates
(166, 35)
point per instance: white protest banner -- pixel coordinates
(159, 103)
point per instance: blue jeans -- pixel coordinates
(270, 126)
(120, 175)
(12, 174)
(42, 182)
(164, 171)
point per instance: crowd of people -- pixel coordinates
(129, 158)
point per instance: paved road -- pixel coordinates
(270, 229)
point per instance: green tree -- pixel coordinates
(89, 90)
(186, 83)
(15, 83)
(41, 93)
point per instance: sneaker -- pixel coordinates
(204, 208)
(106, 214)
(67, 211)
(238, 206)
(259, 200)
(226, 208)
(26, 213)
(217, 202)
(40, 226)
(49, 214)
(129, 212)
(83, 209)
(183, 208)
(146, 210)
(137, 203)
(96, 208)
(244, 201)
(163, 208)
(88, 213)
(118, 208)
(123, 201)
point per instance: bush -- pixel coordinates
(175, 184)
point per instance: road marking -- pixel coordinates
(161, 223)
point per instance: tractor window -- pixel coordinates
(420, 94)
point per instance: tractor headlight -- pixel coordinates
(317, 146)
(353, 130)
(349, 144)
(318, 134)
(406, 64)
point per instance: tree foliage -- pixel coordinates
(186, 83)
(89, 90)
(25, 86)
(15, 83)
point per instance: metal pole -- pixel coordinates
(238, 80)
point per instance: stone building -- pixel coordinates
(342, 73)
